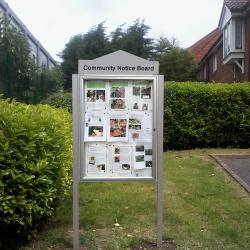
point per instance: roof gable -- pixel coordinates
(201, 48)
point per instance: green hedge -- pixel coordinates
(35, 164)
(200, 115)
(59, 100)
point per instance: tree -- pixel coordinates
(175, 63)
(178, 65)
(17, 69)
(49, 81)
(133, 40)
(83, 46)
(96, 43)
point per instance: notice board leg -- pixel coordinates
(76, 161)
(76, 216)
(160, 112)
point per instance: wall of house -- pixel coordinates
(227, 72)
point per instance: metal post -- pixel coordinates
(160, 110)
(76, 162)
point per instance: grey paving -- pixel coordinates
(238, 166)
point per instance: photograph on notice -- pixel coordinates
(100, 95)
(101, 167)
(117, 150)
(144, 107)
(139, 158)
(117, 104)
(118, 127)
(148, 152)
(91, 96)
(117, 158)
(148, 164)
(117, 92)
(125, 166)
(146, 92)
(92, 160)
(136, 91)
(95, 131)
(134, 121)
(135, 106)
(135, 135)
(139, 148)
(135, 127)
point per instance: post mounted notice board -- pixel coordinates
(116, 119)
(117, 125)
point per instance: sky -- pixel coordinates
(54, 22)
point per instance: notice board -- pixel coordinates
(115, 118)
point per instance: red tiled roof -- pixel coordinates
(200, 49)
(235, 5)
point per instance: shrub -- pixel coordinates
(35, 164)
(206, 115)
(59, 100)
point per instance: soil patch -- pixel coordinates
(147, 245)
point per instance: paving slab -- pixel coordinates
(238, 166)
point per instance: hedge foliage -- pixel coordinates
(200, 115)
(59, 100)
(35, 164)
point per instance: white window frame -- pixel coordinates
(229, 37)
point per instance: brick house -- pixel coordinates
(224, 54)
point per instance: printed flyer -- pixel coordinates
(118, 95)
(122, 159)
(141, 97)
(96, 156)
(95, 95)
(95, 126)
(117, 127)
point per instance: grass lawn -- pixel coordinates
(203, 209)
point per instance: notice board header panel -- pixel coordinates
(118, 63)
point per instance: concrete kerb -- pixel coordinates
(229, 170)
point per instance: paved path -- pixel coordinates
(238, 166)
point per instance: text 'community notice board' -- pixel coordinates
(118, 126)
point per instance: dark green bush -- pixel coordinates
(206, 115)
(35, 164)
(59, 100)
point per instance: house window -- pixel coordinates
(214, 62)
(233, 36)
(238, 33)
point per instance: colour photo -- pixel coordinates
(139, 158)
(101, 167)
(146, 92)
(100, 95)
(148, 164)
(139, 148)
(117, 150)
(117, 104)
(92, 160)
(118, 127)
(95, 131)
(136, 91)
(148, 152)
(91, 96)
(125, 166)
(117, 92)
